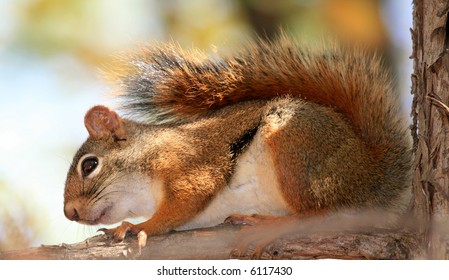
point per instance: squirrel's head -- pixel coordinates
(102, 181)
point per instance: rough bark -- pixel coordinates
(430, 123)
(220, 243)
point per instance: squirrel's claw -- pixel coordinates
(102, 230)
(119, 233)
(238, 219)
(255, 219)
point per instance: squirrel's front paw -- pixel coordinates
(119, 233)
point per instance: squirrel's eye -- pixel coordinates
(88, 165)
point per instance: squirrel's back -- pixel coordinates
(165, 84)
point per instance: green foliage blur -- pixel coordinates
(20, 224)
(91, 30)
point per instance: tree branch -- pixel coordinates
(220, 242)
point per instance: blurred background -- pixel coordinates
(51, 50)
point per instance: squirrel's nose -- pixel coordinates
(71, 212)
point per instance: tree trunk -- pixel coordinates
(430, 123)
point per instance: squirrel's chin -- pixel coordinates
(105, 217)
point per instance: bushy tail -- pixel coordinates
(165, 84)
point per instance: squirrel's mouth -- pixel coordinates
(103, 218)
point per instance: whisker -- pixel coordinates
(93, 202)
(106, 183)
(96, 185)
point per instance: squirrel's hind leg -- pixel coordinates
(262, 233)
(255, 219)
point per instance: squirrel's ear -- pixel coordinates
(102, 123)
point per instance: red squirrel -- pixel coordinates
(278, 129)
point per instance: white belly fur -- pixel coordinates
(253, 189)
